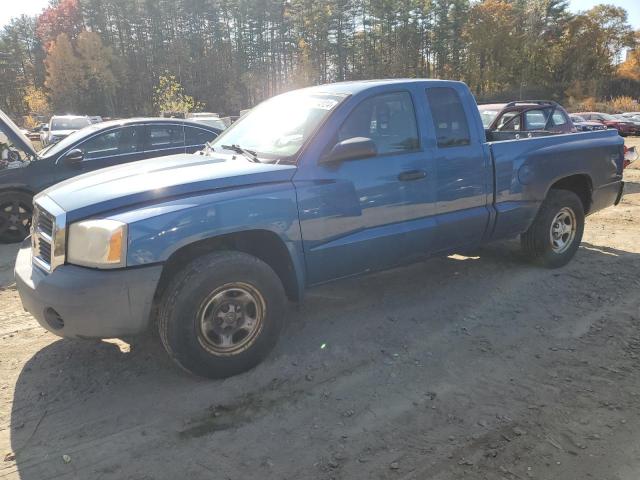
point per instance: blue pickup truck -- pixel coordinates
(310, 186)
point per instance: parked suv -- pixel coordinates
(97, 146)
(61, 126)
(526, 118)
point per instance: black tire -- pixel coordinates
(537, 242)
(16, 210)
(189, 297)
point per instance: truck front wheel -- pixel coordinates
(555, 235)
(221, 314)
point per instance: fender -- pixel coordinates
(157, 231)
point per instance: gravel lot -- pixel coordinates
(476, 366)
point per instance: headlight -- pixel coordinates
(97, 243)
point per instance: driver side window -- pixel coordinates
(388, 119)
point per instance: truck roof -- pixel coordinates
(356, 86)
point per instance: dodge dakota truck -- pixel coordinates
(310, 186)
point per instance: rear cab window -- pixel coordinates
(449, 118)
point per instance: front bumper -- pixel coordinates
(81, 302)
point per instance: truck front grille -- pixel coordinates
(48, 234)
(45, 223)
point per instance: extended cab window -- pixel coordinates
(165, 136)
(388, 119)
(115, 142)
(449, 119)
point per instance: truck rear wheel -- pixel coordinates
(222, 314)
(555, 235)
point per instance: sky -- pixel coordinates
(14, 8)
(631, 6)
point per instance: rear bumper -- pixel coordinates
(606, 196)
(80, 302)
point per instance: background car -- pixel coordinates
(524, 118)
(583, 125)
(34, 134)
(96, 146)
(61, 126)
(630, 119)
(624, 127)
(215, 122)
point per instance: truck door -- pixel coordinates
(368, 213)
(464, 177)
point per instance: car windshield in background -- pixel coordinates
(277, 128)
(488, 116)
(69, 123)
(609, 118)
(577, 118)
(70, 140)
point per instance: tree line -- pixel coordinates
(107, 57)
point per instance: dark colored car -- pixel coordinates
(527, 118)
(583, 125)
(624, 128)
(96, 146)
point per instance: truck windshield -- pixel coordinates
(277, 128)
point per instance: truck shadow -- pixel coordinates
(82, 398)
(631, 187)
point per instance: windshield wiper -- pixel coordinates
(250, 154)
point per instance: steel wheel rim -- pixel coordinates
(15, 218)
(563, 230)
(230, 319)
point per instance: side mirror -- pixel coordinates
(73, 158)
(351, 149)
(45, 128)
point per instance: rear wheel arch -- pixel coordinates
(580, 184)
(262, 244)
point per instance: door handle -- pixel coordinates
(412, 175)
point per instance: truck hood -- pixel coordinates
(13, 133)
(159, 178)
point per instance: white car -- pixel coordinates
(61, 126)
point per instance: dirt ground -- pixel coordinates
(480, 367)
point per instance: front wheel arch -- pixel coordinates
(262, 244)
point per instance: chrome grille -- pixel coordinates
(45, 223)
(48, 234)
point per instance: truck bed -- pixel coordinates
(525, 169)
